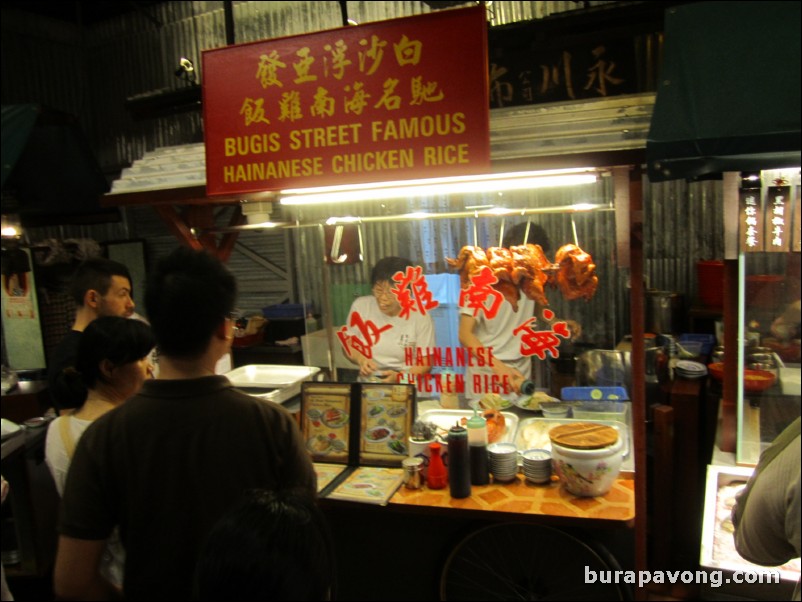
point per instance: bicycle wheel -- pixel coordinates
(512, 561)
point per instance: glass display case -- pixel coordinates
(768, 357)
(429, 230)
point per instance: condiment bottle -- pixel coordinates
(477, 447)
(459, 463)
(437, 477)
(528, 387)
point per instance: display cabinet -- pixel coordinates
(767, 358)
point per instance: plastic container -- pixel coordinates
(710, 281)
(602, 410)
(594, 394)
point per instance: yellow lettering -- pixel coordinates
(258, 144)
(320, 137)
(402, 158)
(448, 154)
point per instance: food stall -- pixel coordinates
(447, 203)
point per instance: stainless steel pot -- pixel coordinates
(610, 367)
(664, 312)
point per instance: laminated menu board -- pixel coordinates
(362, 426)
(371, 484)
(326, 421)
(386, 417)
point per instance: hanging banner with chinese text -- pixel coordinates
(751, 218)
(393, 100)
(778, 219)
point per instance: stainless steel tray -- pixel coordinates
(276, 383)
(445, 419)
(718, 548)
(533, 433)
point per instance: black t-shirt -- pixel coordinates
(63, 357)
(167, 464)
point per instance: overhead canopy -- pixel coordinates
(729, 93)
(49, 169)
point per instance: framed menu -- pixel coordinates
(326, 420)
(386, 418)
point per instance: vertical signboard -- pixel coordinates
(778, 217)
(751, 218)
(399, 99)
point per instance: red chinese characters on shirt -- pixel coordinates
(366, 338)
(413, 295)
(412, 292)
(538, 342)
(480, 294)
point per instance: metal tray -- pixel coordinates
(276, 383)
(718, 548)
(538, 437)
(445, 419)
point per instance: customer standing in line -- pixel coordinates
(111, 365)
(168, 463)
(768, 512)
(99, 287)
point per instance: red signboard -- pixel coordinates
(393, 100)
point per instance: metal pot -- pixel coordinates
(664, 312)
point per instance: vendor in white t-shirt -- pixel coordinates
(398, 345)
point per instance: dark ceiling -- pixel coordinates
(83, 13)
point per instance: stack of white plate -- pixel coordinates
(537, 465)
(503, 461)
(690, 370)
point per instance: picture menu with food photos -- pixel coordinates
(358, 425)
(385, 423)
(326, 411)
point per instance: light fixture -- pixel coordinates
(439, 186)
(11, 226)
(186, 70)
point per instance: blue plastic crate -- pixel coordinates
(708, 341)
(286, 310)
(594, 394)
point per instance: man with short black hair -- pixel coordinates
(99, 287)
(168, 463)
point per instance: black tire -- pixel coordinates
(514, 561)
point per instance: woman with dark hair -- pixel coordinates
(273, 545)
(112, 363)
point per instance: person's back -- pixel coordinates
(168, 463)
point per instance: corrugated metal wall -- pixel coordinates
(90, 72)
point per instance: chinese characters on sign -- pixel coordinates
(767, 221)
(382, 101)
(778, 218)
(530, 74)
(751, 220)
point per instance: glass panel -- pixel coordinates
(769, 359)
(334, 266)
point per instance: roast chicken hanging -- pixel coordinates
(527, 268)
(576, 277)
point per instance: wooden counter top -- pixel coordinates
(542, 503)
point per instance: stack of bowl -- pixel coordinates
(503, 460)
(537, 465)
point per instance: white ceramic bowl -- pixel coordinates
(587, 472)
